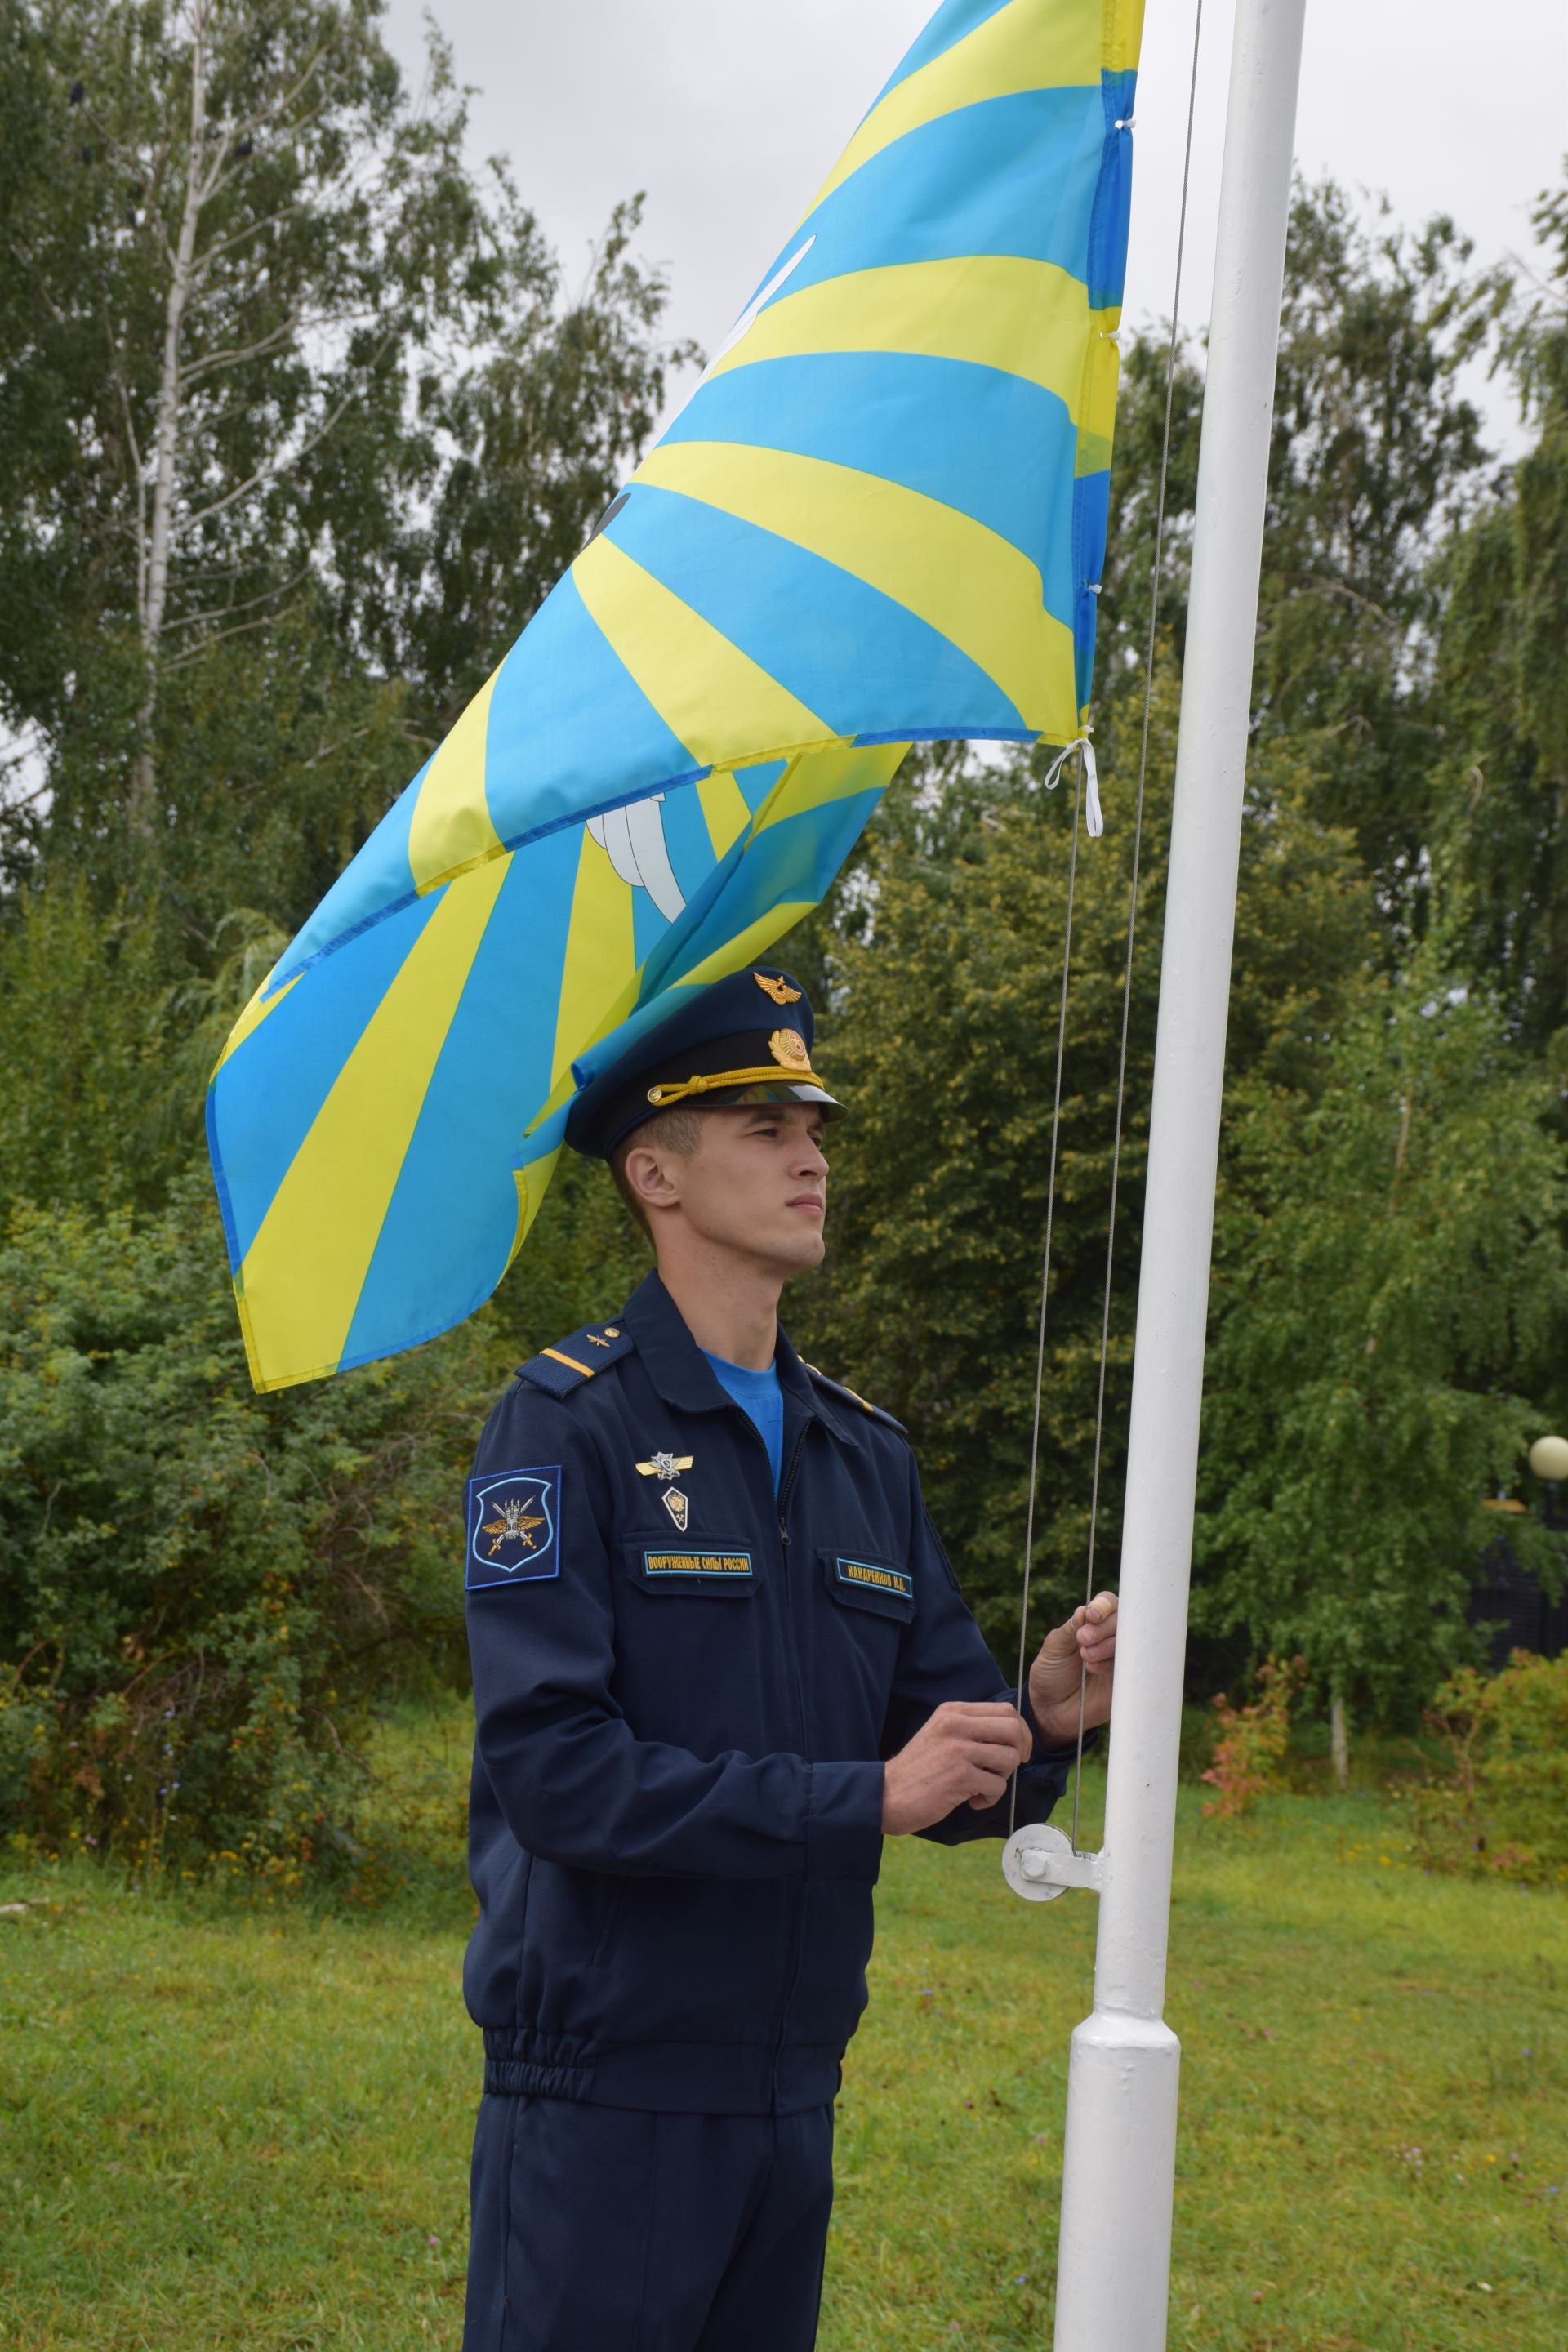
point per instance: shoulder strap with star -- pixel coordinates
(847, 1396)
(560, 1370)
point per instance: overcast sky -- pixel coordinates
(728, 113)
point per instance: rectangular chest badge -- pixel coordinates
(864, 1578)
(724, 1566)
(513, 1528)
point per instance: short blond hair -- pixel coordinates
(679, 1129)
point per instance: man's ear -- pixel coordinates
(647, 1170)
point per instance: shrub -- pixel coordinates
(1250, 1741)
(1502, 1808)
(205, 1591)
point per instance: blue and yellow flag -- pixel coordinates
(880, 519)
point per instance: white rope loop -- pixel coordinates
(1094, 816)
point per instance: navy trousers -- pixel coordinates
(611, 2230)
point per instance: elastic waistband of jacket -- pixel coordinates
(708, 2078)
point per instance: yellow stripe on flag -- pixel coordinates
(818, 778)
(1000, 311)
(1032, 44)
(747, 945)
(452, 828)
(959, 576)
(304, 1272)
(254, 1015)
(811, 782)
(1097, 422)
(715, 698)
(724, 810)
(599, 974)
(533, 1183)
(1123, 35)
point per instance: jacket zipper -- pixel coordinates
(782, 1507)
(783, 1496)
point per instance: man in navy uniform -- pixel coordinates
(719, 1655)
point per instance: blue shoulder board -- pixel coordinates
(560, 1370)
(847, 1396)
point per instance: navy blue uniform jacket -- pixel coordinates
(676, 1799)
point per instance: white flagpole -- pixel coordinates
(1119, 2167)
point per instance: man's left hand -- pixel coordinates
(1086, 1641)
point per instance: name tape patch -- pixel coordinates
(513, 1528)
(696, 1563)
(860, 1572)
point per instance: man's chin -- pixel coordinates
(800, 1253)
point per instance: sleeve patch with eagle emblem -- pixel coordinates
(513, 1528)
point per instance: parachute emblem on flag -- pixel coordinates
(634, 840)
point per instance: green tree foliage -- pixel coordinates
(302, 424)
(80, 1014)
(302, 421)
(583, 1259)
(1376, 451)
(1376, 454)
(204, 1590)
(1504, 677)
(946, 1045)
(1391, 1284)
(1502, 1810)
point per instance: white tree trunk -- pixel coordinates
(1340, 1740)
(165, 445)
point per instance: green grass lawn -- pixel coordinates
(224, 2126)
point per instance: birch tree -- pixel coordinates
(275, 357)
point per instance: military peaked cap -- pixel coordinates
(746, 1039)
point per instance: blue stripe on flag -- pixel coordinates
(895, 414)
(795, 859)
(1012, 175)
(497, 1055)
(261, 1116)
(649, 927)
(1091, 508)
(688, 840)
(848, 651)
(674, 953)
(756, 780)
(378, 877)
(1107, 267)
(563, 695)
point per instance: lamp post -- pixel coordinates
(1549, 1460)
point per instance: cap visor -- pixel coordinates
(786, 1090)
(816, 1095)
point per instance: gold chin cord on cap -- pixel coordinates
(795, 1072)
